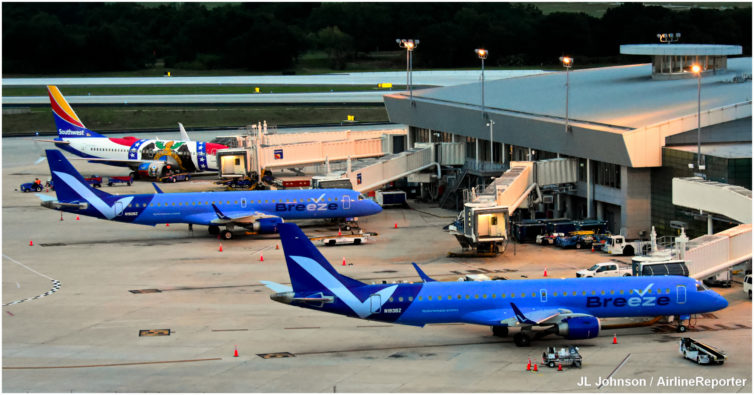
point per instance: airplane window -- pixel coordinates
(620, 292)
(228, 202)
(467, 297)
(438, 298)
(180, 204)
(533, 294)
(266, 201)
(476, 296)
(574, 293)
(484, 296)
(428, 298)
(602, 292)
(667, 290)
(236, 202)
(151, 204)
(513, 295)
(361, 197)
(649, 291)
(459, 297)
(194, 203)
(410, 298)
(336, 199)
(173, 203)
(583, 293)
(594, 292)
(700, 286)
(400, 299)
(612, 292)
(494, 296)
(129, 206)
(555, 293)
(450, 297)
(631, 291)
(391, 299)
(523, 294)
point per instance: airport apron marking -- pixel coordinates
(55, 283)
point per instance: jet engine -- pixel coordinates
(581, 327)
(266, 225)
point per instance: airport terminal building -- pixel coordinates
(633, 128)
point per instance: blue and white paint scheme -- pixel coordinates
(567, 307)
(259, 211)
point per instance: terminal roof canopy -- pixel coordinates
(624, 97)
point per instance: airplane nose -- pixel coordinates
(721, 303)
(374, 208)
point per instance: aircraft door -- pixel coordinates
(681, 294)
(346, 202)
(375, 302)
(118, 208)
(543, 295)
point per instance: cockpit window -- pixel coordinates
(700, 286)
(361, 196)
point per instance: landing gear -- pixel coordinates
(227, 235)
(522, 339)
(214, 230)
(500, 331)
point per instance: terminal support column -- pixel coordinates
(588, 188)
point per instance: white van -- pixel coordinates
(747, 285)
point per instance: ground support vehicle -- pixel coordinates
(31, 187)
(391, 198)
(702, 353)
(176, 177)
(722, 279)
(95, 181)
(747, 285)
(548, 238)
(355, 239)
(568, 355)
(618, 245)
(119, 180)
(606, 269)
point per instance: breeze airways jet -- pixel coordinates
(143, 156)
(571, 308)
(259, 211)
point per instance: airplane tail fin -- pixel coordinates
(67, 122)
(308, 269)
(69, 184)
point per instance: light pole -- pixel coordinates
(491, 123)
(567, 63)
(482, 53)
(410, 45)
(697, 69)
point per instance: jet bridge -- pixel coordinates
(483, 226)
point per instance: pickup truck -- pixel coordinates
(605, 269)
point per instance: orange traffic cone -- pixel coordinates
(261, 257)
(77, 218)
(615, 339)
(235, 353)
(528, 367)
(339, 234)
(535, 368)
(545, 272)
(396, 225)
(592, 247)
(221, 247)
(61, 215)
(31, 243)
(167, 224)
(344, 261)
(560, 367)
(277, 246)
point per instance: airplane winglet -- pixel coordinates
(425, 278)
(45, 198)
(184, 135)
(219, 213)
(156, 188)
(521, 317)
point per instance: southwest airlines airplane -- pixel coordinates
(259, 211)
(148, 156)
(567, 307)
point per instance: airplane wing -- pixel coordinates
(53, 141)
(513, 316)
(184, 135)
(239, 218)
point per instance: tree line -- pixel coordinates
(96, 37)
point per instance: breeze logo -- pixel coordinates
(305, 207)
(634, 301)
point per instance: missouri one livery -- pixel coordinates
(567, 307)
(259, 211)
(151, 157)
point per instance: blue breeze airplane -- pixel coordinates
(567, 307)
(259, 211)
(146, 157)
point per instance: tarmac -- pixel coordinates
(97, 306)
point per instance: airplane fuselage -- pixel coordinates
(489, 302)
(189, 156)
